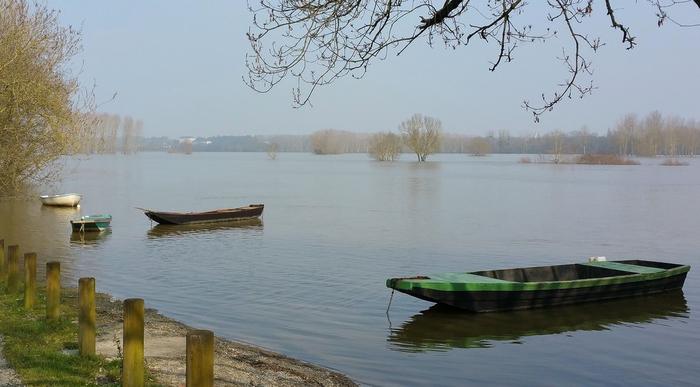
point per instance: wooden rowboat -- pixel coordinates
(91, 223)
(223, 215)
(63, 200)
(536, 287)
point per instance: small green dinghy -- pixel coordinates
(91, 223)
(536, 287)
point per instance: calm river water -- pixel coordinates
(308, 280)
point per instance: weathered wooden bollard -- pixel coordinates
(12, 269)
(132, 366)
(53, 290)
(86, 317)
(29, 280)
(200, 358)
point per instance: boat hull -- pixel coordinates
(228, 215)
(545, 286)
(68, 200)
(495, 301)
(93, 223)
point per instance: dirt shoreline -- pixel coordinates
(235, 363)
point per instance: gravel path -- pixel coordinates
(8, 376)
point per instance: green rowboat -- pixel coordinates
(536, 287)
(91, 223)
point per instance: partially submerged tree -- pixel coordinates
(583, 139)
(272, 148)
(385, 146)
(557, 146)
(421, 134)
(624, 134)
(479, 146)
(319, 41)
(41, 113)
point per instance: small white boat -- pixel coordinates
(63, 200)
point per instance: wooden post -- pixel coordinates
(200, 358)
(53, 290)
(2, 260)
(12, 269)
(29, 280)
(132, 366)
(86, 317)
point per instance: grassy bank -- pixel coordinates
(44, 353)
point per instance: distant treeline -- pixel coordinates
(111, 133)
(631, 136)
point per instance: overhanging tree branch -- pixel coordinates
(319, 41)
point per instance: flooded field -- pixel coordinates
(308, 279)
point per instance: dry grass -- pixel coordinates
(674, 163)
(605, 160)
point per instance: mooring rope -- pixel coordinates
(389, 306)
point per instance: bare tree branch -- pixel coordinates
(319, 41)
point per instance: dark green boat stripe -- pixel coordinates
(483, 285)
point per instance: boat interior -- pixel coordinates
(569, 272)
(660, 265)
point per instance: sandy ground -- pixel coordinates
(8, 377)
(235, 364)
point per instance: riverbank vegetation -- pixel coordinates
(41, 112)
(674, 163)
(45, 353)
(42, 352)
(605, 160)
(384, 146)
(44, 111)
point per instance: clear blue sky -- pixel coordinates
(178, 66)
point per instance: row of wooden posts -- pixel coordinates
(199, 343)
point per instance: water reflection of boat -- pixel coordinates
(167, 231)
(442, 328)
(89, 238)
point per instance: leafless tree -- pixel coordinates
(557, 146)
(479, 146)
(128, 135)
(319, 41)
(421, 134)
(649, 135)
(584, 138)
(624, 134)
(331, 141)
(385, 146)
(272, 148)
